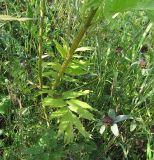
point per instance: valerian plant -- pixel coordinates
(67, 107)
(69, 110)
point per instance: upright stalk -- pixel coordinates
(40, 47)
(74, 46)
(40, 52)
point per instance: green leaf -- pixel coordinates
(82, 112)
(54, 102)
(82, 49)
(66, 127)
(92, 4)
(59, 113)
(115, 130)
(73, 94)
(122, 118)
(70, 79)
(54, 65)
(112, 113)
(79, 126)
(150, 94)
(65, 44)
(60, 49)
(110, 7)
(10, 18)
(114, 6)
(64, 122)
(5, 104)
(145, 5)
(69, 135)
(49, 74)
(62, 127)
(151, 15)
(45, 91)
(75, 102)
(75, 69)
(81, 63)
(102, 129)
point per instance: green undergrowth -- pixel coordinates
(102, 109)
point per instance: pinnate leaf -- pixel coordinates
(74, 94)
(59, 113)
(54, 102)
(79, 126)
(63, 52)
(81, 112)
(75, 102)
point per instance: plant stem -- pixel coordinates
(74, 46)
(40, 52)
(40, 47)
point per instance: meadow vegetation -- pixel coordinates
(76, 80)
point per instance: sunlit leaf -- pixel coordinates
(74, 94)
(69, 135)
(75, 102)
(45, 91)
(79, 126)
(64, 122)
(82, 49)
(59, 113)
(83, 64)
(60, 49)
(65, 45)
(69, 78)
(81, 112)
(113, 6)
(75, 69)
(54, 65)
(62, 127)
(54, 102)
(10, 18)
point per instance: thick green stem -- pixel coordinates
(74, 46)
(40, 47)
(40, 51)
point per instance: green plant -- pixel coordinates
(67, 107)
(114, 71)
(46, 148)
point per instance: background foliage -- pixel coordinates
(106, 88)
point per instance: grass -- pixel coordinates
(115, 78)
